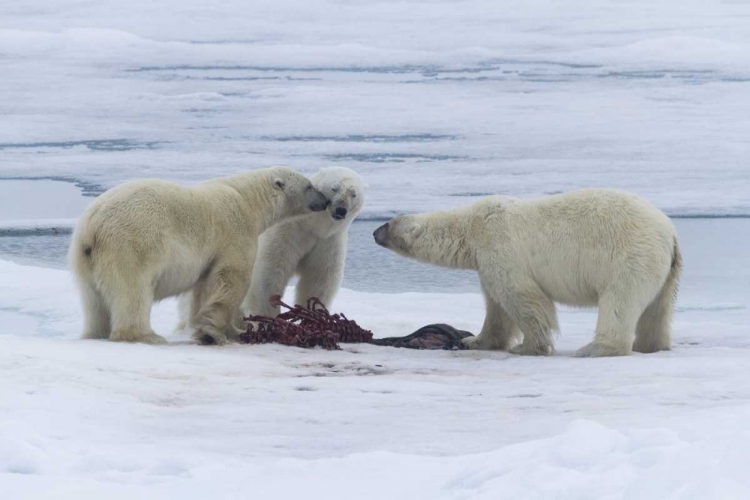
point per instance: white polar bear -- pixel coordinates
(584, 248)
(312, 247)
(147, 240)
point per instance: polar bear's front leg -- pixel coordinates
(535, 315)
(499, 331)
(183, 311)
(275, 264)
(220, 299)
(321, 271)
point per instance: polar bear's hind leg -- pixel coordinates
(654, 329)
(96, 313)
(131, 303)
(615, 325)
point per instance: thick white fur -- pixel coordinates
(146, 240)
(591, 247)
(312, 247)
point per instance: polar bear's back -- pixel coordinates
(590, 213)
(142, 211)
(606, 215)
(578, 242)
(148, 217)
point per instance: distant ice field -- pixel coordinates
(434, 103)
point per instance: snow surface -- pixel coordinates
(92, 418)
(434, 102)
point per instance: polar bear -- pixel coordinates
(147, 240)
(312, 247)
(590, 247)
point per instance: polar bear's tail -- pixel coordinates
(80, 250)
(654, 330)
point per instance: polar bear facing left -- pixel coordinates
(590, 247)
(312, 247)
(146, 240)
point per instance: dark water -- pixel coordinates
(42, 250)
(369, 268)
(714, 251)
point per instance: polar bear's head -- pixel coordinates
(345, 190)
(401, 234)
(295, 192)
(440, 238)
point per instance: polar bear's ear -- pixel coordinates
(278, 184)
(414, 230)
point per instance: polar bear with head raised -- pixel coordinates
(312, 247)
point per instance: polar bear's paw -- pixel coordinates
(532, 350)
(154, 339)
(484, 343)
(649, 344)
(135, 336)
(599, 350)
(209, 338)
(472, 343)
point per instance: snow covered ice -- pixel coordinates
(435, 103)
(104, 419)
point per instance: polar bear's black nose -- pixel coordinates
(381, 234)
(339, 213)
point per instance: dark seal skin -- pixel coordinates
(435, 336)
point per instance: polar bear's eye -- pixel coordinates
(354, 195)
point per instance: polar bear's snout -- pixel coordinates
(316, 201)
(381, 235)
(342, 204)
